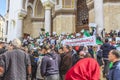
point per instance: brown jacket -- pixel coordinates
(66, 63)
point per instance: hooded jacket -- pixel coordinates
(84, 69)
(50, 64)
(114, 73)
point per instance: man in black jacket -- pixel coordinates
(50, 65)
(106, 48)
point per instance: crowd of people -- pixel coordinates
(47, 58)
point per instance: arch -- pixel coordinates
(39, 9)
(29, 11)
(29, 5)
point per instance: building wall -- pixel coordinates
(64, 23)
(91, 16)
(1, 26)
(36, 29)
(112, 16)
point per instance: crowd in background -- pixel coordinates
(47, 58)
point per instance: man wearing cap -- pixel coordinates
(114, 73)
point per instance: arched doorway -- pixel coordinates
(82, 15)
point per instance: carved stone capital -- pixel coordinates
(48, 4)
(21, 14)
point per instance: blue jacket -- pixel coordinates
(50, 64)
(106, 47)
(114, 73)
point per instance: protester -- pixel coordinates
(60, 51)
(103, 33)
(17, 64)
(41, 55)
(50, 65)
(76, 57)
(106, 47)
(33, 64)
(41, 49)
(114, 73)
(66, 61)
(90, 50)
(99, 55)
(72, 51)
(85, 69)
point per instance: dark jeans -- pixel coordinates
(53, 77)
(39, 79)
(106, 67)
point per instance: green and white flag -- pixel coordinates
(47, 34)
(85, 33)
(99, 42)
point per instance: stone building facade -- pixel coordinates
(2, 28)
(29, 16)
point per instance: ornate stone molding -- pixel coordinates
(48, 4)
(90, 4)
(38, 19)
(115, 1)
(21, 14)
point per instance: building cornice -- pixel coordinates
(114, 1)
(37, 19)
(63, 11)
(21, 13)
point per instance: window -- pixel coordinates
(8, 6)
(6, 27)
(82, 13)
(39, 9)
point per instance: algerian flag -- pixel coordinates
(47, 34)
(69, 36)
(86, 33)
(99, 42)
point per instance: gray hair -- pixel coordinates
(116, 53)
(17, 43)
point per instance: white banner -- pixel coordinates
(117, 39)
(89, 41)
(92, 25)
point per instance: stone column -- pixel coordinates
(48, 20)
(48, 6)
(99, 15)
(21, 15)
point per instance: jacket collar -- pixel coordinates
(115, 64)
